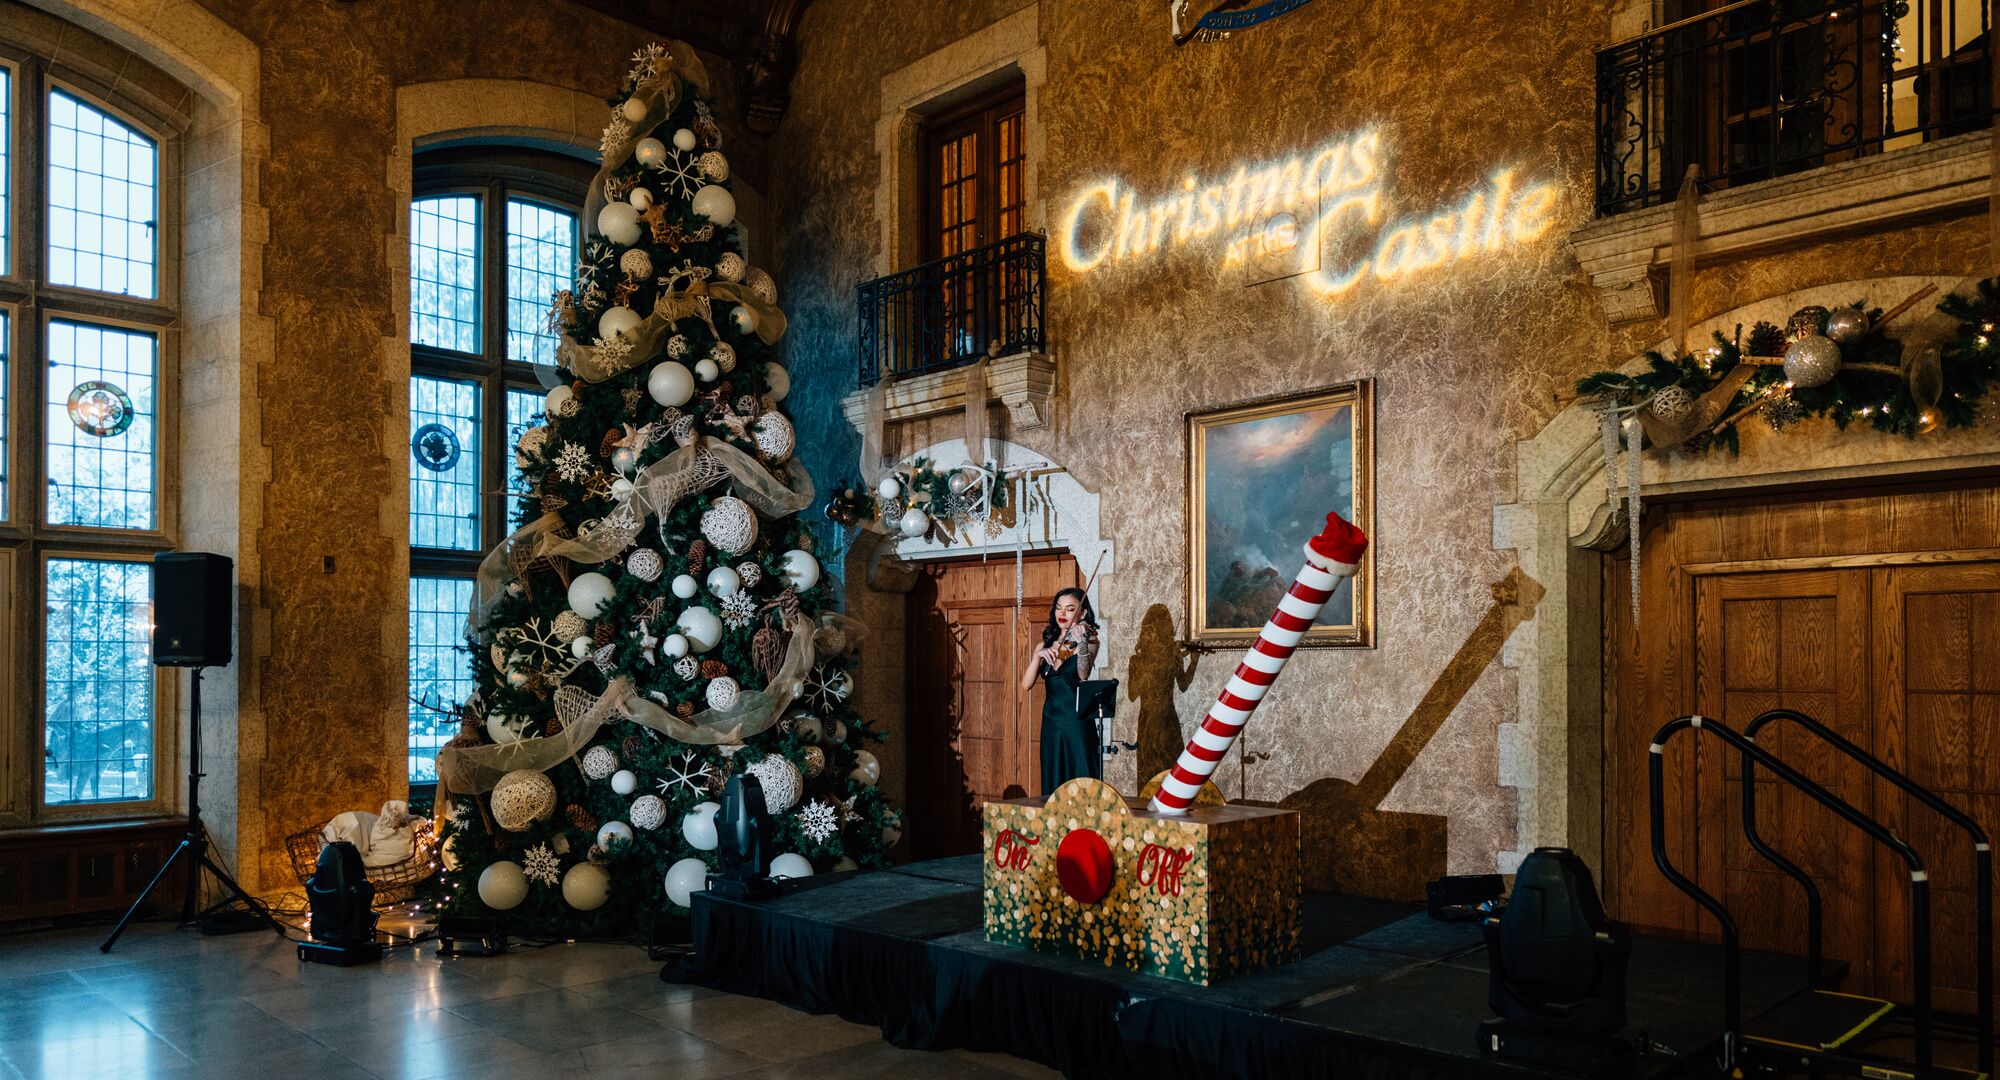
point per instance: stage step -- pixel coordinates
(1828, 1033)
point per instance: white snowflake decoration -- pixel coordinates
(818, 821)
(738, 608)
(573, 462)
(613, 351)
(687, 668)
(616, 134)
(646, 62)
(687, 775)
(827, 687)
(680, 174)
(542, 865)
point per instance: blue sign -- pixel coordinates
(435, 447)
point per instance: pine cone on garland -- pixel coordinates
(552, 726)
(767, 651)
(697, 557)
(684, 710)
(609, 443)
(632, 746)
(713, 669)
(603, 634)
(581, 818)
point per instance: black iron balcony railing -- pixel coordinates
(1765, 88)
(954, 310)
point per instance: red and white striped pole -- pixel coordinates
(1332, 555)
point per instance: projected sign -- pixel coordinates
(1326, 217)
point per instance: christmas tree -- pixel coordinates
(655, 622)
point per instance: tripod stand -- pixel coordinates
(194, 845)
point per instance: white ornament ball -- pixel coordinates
(706, 371)
(1812, 360)
(650, 152)
(521, 798)
(613, 835)
(724, 355)
(448, 853)
(685, 586)
(775, 438)
(891, 834)
(809, 729)
(633, 110)
(743, 319)
(781, 781)
(801, 569)
(684, 879)
(730, 525)
(724, 582)
(670, 384)
(635, 263)
(791, 865)
(762, 284)
(624, 781)
(840, 685)
(641, 199)
(866, 769)
(586, 886)
(561, 401)
(713, 165)
(684, 140)
(617, 321)
(730, 267)
(619, 222)
(676, 646)
(580, 647)
(506, 728)
(645, 564)
(914, 523)
(889, 488)
(779, 380)
(648, 812)
(503, 885)
(599, 762)
(698, 827)
(700, 626)
(589, 593)
(845, 864)
(624, 460)
(722, 692)
(714, 203)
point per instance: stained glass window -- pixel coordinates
(103, 201)
(444, 272)
(444, 463)
(98, 416)
(439, 678)
(98, 687)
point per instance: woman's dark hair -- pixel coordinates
(1051, 631)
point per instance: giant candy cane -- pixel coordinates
(1332, 555)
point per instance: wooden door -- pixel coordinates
(1797, 640)
(1937, 645)
(974, 735)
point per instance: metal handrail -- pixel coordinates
(1982, 850)
(949, 312)
(1732, 1004)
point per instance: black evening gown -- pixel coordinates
(1069, 742)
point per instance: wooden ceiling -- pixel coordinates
(754, 36)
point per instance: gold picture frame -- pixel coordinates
(1256, 492)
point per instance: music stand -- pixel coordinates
(1097, 700)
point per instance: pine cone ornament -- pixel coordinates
(697, 556)
(632, 745)
(552, 726)
(767, 651)
(603, 635)
(608, 443)
(580, 818)
(684, 710)
(713, 669)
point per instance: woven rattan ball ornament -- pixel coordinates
(599, 762)
(722, 693)
(730, 525)
(775, 439)
(815, 760)
(1671, 403)
(645, 564)
(687, 667)
(647, 812)
(636, 263)
(523, 797)
(533, 442)
(1806, 321)
(569, 625)
(760, 282)
(781, 781)
(730, 266)
(724, 356)
(749, 574)
(713, 165)
(677, 346)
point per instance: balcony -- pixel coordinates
(1766, 88)
(945, 314)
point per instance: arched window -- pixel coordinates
(493, 233)
(88, 308)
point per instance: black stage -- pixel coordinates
(1381, 989)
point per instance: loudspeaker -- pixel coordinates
(191, 609)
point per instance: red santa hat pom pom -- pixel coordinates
(1338, 548)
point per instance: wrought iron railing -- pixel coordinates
(1764, 88)
(954, 310)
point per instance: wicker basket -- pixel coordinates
(394, 884)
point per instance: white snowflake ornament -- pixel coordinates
(818, 820)
(541, 864)
(573, 462)
(738, 608)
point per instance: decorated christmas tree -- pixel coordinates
(655, 622)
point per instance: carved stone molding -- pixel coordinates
(1022, 383)
(1626, 256)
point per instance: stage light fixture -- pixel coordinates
(343, 917)
(1557, 971)
(748, 838)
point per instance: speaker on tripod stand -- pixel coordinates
(191, 629)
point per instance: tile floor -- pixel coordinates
(170, 1004)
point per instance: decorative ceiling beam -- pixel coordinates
(767, 71)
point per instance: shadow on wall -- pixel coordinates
(1153, 676)
(1352, 846)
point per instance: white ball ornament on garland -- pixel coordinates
(448, 853)
(614, 836)
(791, 865)
(762, 284)
(743, 319)
(866, 769)
(590, 593)
(730, 267)
(641, 198)
(616, 322)
(801, 569)
(633, 110)
(706, 370)
(645, 564)
(809, 729)
(684, 140)
(670, 383)
(521, 798)
(624, 781)
(1811, 361)
(701, 627)
(650, 152)
(889, 488)
(724, 582)
(730, 525)
(714, 203)
(781, 781)
(619, 222)
(684, 879)
(580, 647)
(1671, 403)
(914, 523)
(722, 692)
(775, 438)
(779, 380)
(586, 886)
(503, 885)
(685, 586)
(561, 401)
(648, 812)
(599, 762)
(698, 827)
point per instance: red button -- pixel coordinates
(1083, 865)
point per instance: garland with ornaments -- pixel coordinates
(654, 624)
(911, 501)
(1839, 364)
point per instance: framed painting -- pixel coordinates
(1262, 476)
